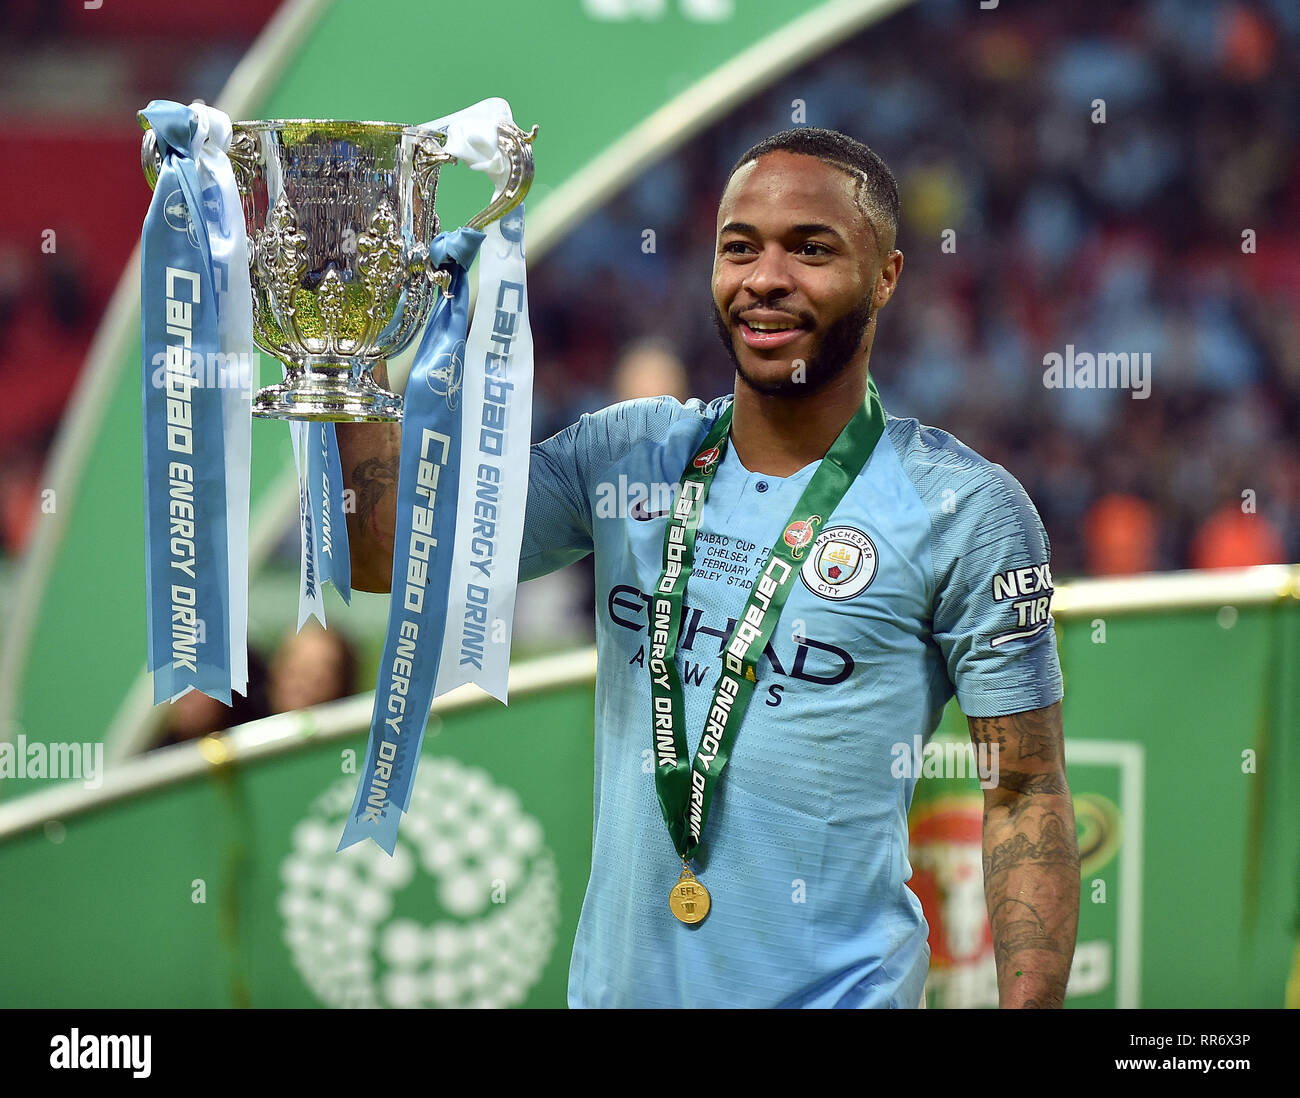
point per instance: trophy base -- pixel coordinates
(306, 398)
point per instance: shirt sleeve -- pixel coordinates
(557, 517)
(992, 606)
(564, 470)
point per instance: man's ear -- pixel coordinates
(887, 276)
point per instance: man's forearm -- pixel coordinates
(1031, 884)
(1031, 856)
(368, 453)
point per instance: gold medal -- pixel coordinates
(688, 900)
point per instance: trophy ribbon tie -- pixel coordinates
(196, 333)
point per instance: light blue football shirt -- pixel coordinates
(930, 575)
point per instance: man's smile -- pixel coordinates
(767, 329)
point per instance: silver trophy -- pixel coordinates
(340, 216)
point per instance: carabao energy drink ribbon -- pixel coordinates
(427, 487)
(323, 532)
(461, 494)
(497, 420)
(196, 332)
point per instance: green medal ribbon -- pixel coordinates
(685, 790)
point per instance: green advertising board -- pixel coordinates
(205, 875)
(1182, 753)
(224, 889)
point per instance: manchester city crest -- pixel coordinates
(842, 563)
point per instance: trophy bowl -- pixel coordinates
(339, 217)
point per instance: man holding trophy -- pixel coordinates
(913, 568)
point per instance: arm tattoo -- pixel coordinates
(1031, 858)
(1031, 732)
(1027, 785)
(372, 478)
(1022, 928)
(1053, 848)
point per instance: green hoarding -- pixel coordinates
(1183, 754)
(223, 888)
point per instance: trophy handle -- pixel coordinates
(150, 160)
(427, 159)
(512, 142)
(517, 147)
(242, 155)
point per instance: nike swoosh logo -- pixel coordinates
(639, 512)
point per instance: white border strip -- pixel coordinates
(79, 428)
(1130, 756)
(1168, 591)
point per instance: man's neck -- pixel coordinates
(779, 435)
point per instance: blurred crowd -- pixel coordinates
(1112, 177)
(74, 75)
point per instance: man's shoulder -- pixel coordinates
(644, 426)
(944, 470)
(650, 437)
(969, 500)
(647, 414)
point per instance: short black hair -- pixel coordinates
(876, 186)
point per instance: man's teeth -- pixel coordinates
(769, 326)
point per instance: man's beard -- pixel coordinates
(834, 354)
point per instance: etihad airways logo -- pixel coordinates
(816, 662)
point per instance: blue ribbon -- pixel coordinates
(186, 563)
(325, 492)
(427, 489)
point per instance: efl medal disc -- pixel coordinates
(689, 900)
